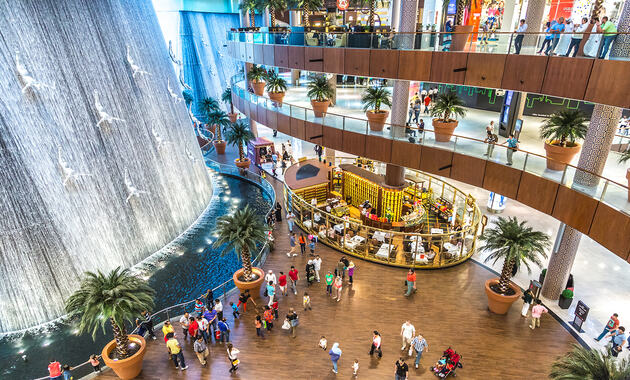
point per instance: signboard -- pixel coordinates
(452, 7)
(581, 312)
(342, 5)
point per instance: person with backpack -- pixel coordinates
(224, 329)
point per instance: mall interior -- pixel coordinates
(277, 189)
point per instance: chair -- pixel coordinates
(311, 40)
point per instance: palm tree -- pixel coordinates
(447, 105)
(374, 97)
(239, 135)
(219, 119)
(208, 105)
(459, 15)
(274, 5)
(319, 89)
(257, 73)
(241, 232)
(226, 97)
(275, 83)
(251, 6)
(116, 297)
(307, 7)
(188, 98)
(585, 364)
(516, 244)
(565, 126)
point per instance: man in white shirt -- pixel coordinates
(576, 37)
(407, 332)
(317, 262)
(518, 41)
(270, 276)
(218, 307)
(183, 322)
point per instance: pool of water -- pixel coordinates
(189, 270)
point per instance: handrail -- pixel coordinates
(314, 30)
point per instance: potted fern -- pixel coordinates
(561, 131)
(115, 299)
(625, 156)
(219, 120)
(517, 245)
(373, 99)
(242, 232)
(239, 135)
(566, 297)
(256, 76)
(226, 97)
(585, 363)
(276, 87)
(320, 92)
(446, 105)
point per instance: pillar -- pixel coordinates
(508, 15)
(254, 127)
(332, 81)
(330, 155)
(534, 21)
(295, 77)
(295, 18)
(394, 175)
(266, 18)
(621, 46)
(395, 15)
(595, 151)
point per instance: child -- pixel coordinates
(306, 301)
(258, 322)
(235, 312)
(323, 343)
(67, 374)
(355, 367)
(275, 306)
(96, 364)
(351, 268)
(311, 245)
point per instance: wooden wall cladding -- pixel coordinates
(575, 209)
(357, 61)
(485, 70)
(567, 77)
(259, 55)
(284, 124)
(249, 48)
(334, 60)
(406, 154)
(414, 65)
(436, 161)
(610, 229)
(297, 128)
(524, 72)
(537, 192)
(313, 132)
(314, 59)
(261, 114)
(281, 56)
(468, 169)
(501, 179)
(333, 138)
(384, 63)
(601, 90)
(296, 57)
(272, 119)
(378, 148)
(268, 55)
(448, 67)
(354, 143)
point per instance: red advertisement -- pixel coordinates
(560, 8)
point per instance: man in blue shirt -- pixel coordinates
(225, 330)
(555, 31)
(512, 144)
(419, 344)
(211, 317)
(618, 339)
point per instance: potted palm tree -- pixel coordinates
(561, 131)
(114, 298)
(276, 87)
(242, 232)
(239, 135)
(251, 6)
(625, 156)
(256, 76)
(373, 98)
(226, 97)
(307, 7)
(320, 92)
(446, 105)
(584, 363)
(209, 105)
(517, 245)
(219, 120)
(274, 6)
(461, 32)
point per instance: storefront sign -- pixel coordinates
(452, 7)
(581, 312)
(342, 5)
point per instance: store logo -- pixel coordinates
(342, 5)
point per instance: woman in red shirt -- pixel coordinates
(193, 328)
(411, 282)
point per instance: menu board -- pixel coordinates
(581, 312)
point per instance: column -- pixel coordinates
(330, 155)
(254, 127)
(534, 21)
(266, 17)
(332, 81)
(395, 15)
(394, 175)
(295, 18)
(621, 46)
(595, 151)
(508, 15)
(295, 77)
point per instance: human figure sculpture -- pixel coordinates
(132, 191)
(104, 117)
(135, 69)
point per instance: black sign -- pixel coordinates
(581, 311)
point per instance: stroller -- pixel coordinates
(448, 363)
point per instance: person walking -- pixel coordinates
(402, 369)
(268, 316)
(292, 244)
(282, 283)
(341, 269)
(294, 277)
(167, 327)
(184, 322)
(407, 332)
(232, 353)
(258, 322)
(410, 112)
(278, 213)
(416, 111)
(306, 301)
(193, 329)
(527, 298)
(537, 311)
(203, 328)
(271, 292)
(309, 270)
(212, 318)
(611, 326)
(338, 284)
(376, 344)
(485, 33)
(351, 268)
(576, 37)
(335, 355)
(419, 345)
(329, 283)
(270, 276)
(302, 241)
(292, 317)
(311, 245)
(201, 350)
(290, 220)
(235, 312)
(317, 262)
(512, 146)
(520, 34)
(411, 282)
(224, 329)
(218, 306)
(427, 101)
(175, 350)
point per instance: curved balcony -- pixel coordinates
(591, 210)
(579, 78)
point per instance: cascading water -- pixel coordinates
(99, 167)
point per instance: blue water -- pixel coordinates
(190, 272)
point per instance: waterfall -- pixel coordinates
(99, 167)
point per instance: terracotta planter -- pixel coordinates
(558, 157)
(219, 145)
(498, 303)
(254, 286)
(376, 120)
(259, 88)
(461, 34)
(444, 129)
(320, 108)
(242, 164)
(276, 97)
(128, 368)
(233, 117)
(628, 178)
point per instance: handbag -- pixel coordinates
(235, 362)
(266, 293)
(286, 325)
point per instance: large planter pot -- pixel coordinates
(128, 368)
(233, 117)
(259, 88)
(498, 303)
(461, 34)
(628, 178)
(564, 303)
(276, 97)
(242, 164)
(558, 157)
(219, 145)
(444, 129)
(252, 286)
(376, 120)
(320, 108)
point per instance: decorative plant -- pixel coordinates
(113, 298)
(567, 293)
(564, 127)
(275, 83)
(239, 134)
(307, 6)
(226, 97)
(274, 5)
(241, 232)
(319, 89)
(516, 244)
(257, 73)
(447, 105)
(374, 97)
(188, 97)
(461, 7)
(220, 120)
(586, 364)
(208, 105)
(362, 4)
(251, 6)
